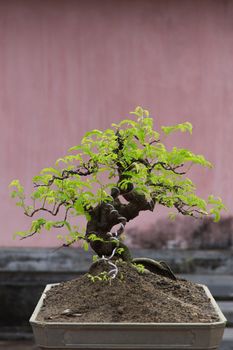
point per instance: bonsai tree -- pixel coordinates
(110, 178)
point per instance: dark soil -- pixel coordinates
(130, 297)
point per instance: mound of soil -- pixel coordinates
(130, 297)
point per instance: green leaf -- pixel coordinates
(217, 207)
(93, 133)
(179, 127)
(14, 194)
(93, 237)
(50, 170)
(37, 225)
(138, 111)
(15, 183)
(85, 246)
(20, 233)
(148, 122)
(120, 251)
(48, 225)
(95, 258)
(74, 148)
(128, 122)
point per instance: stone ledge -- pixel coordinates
(227, 309)
(221, 286)
(227, 343)
(76, 260)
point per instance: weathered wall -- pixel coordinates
(70, 66)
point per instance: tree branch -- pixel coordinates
(169, 167)
(180, 206)
(52, 212)
(56, 226)
(88, 170)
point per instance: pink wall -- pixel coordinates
(70, 66)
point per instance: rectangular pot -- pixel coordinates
(115, 336)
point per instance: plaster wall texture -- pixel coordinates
(67, 67)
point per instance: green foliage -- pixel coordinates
(120, 250)
(102, 277)
(140, 268)
(95, 258)
(217, 206)
(179, 127)
(76, 182)
(18, 193)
